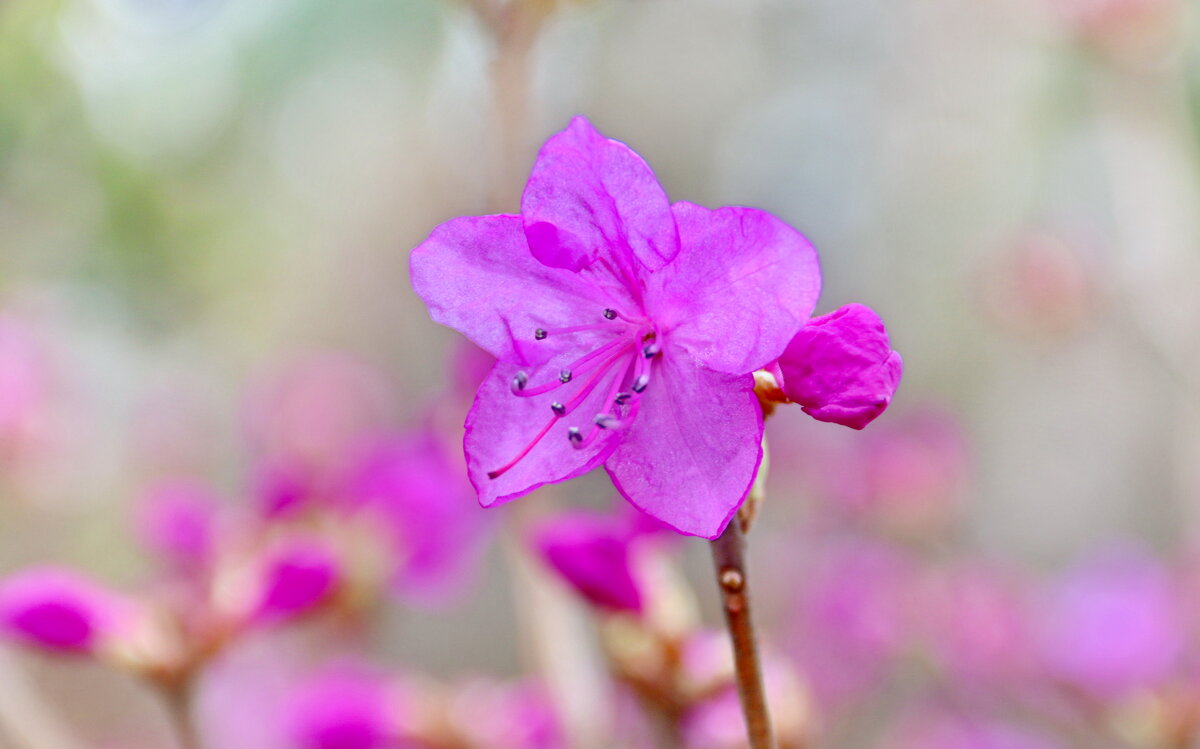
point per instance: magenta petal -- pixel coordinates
(841, 367)
(297, 578)
(340, 711)
(591, 552)
(477, 276)
(589, 195)
(743, 285)
(500, 425)
(58, 609)
(691, 455)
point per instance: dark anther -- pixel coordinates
(640, 383)
(519, 380)
(651, 350)
(610, 314)
(574, 435)
(606, 421)
(564, 376)
(622, 398)
(540, 334)
(558, 408)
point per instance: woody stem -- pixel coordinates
(730, 565)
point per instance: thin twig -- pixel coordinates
(730, 564)
(178, 700)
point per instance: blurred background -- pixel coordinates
(206, 208)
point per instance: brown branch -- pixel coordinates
(730, 564)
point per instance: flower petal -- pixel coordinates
(592, 554)
(500, 425)
(691, 455)
(477, 276)
(841, 367)
(742, 286)
(589, 195)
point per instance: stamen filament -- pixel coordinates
(525, 451)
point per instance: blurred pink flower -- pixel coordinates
(500, 715)
(1112, 624)
(24, 381)
(177, 521)
(341, 709)
(841, 367)
(591, 552)
(297, 576)
(645, 319)
(853, 617)
(60, 610)
(307, 421)
(436, 529)
(950, 730)
(1042, 285)
(976, 620)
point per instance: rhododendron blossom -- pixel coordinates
(626, 331)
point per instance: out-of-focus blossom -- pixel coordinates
(717, 722)
(976, 620)
(177, 521)
(341, 710)
(1130, 31)
(497, 715)
(24, 383)
(626, 330)
(1041, 286)
(948, 730)
(296, 577)
(841, 367)
(60, 610)
(907, 475)
(1112, 624)
(591, 552)
(308, 421)
(436, 529)
(852, 619)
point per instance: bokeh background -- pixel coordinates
(202, 201)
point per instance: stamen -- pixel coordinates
(558, 408)
(610, 314)
(542, 333)
(564, 376)
(606, 421)
(524, 451)
(622, 398)
(519, 381)
(640, 383)
(651, 350)
(574, 435)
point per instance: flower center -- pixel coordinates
(621, 366)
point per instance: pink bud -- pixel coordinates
(841, 368)
(340, 711)
(591, 552)
(59, 610)
(297, 578)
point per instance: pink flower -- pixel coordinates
(24, 379)
(176, 520)
(626, 330)
(1112, 624)
(936, 730)
(340, 711)
(60, 610)
(436, 529)
(841, 367)
(591, 552)
(296, 578)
